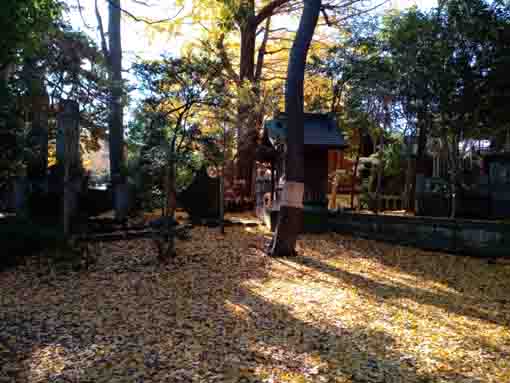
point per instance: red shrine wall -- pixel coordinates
(338, 161)
(316, 174)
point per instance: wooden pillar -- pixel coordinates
(340, 164)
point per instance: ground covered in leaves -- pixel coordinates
(344, 310)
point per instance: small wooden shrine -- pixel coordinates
(497, 169)
(321, 135)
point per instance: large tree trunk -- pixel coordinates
(290, 222)
(68, 157)
(246, 131)
(249, 118)
(247, 146)
(115, 123)
(248, 38)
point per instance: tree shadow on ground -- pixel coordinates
(196, 320)
(216, 345)
(462, 304)
(456, 271)
(482, 289)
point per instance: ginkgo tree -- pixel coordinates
(253, 46)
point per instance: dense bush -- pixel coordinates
(22, 238)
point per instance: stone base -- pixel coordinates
(461, 236)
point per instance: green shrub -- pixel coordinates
(22, 238)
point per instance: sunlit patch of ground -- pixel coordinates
(344, 310)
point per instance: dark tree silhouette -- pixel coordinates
(290, 222)
(115, 123)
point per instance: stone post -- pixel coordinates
(68, 159)
(38, 166)
(34, 177)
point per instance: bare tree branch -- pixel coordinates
(276, 51)
(326, 17)
(104, 46)
(268, 10)
(148, 22)
(262, 50)
(282, 78)
(140, 2)
(281, 39)
(362, 12)
(80, 9)
(281, 30)
(225, 59)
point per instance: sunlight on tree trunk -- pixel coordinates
(249, 118)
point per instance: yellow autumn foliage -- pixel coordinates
(343, 310)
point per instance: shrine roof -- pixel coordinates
(320, 130)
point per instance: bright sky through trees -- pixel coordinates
(138, 42)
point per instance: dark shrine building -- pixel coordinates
(321, 135)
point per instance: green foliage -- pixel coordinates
(25, 238)
(392, 157)
(362, 78)
(449, 64)
(66, 64)
(75, 68)
(445, 66)
(11, 134)
(24, 25)
(167, 129)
